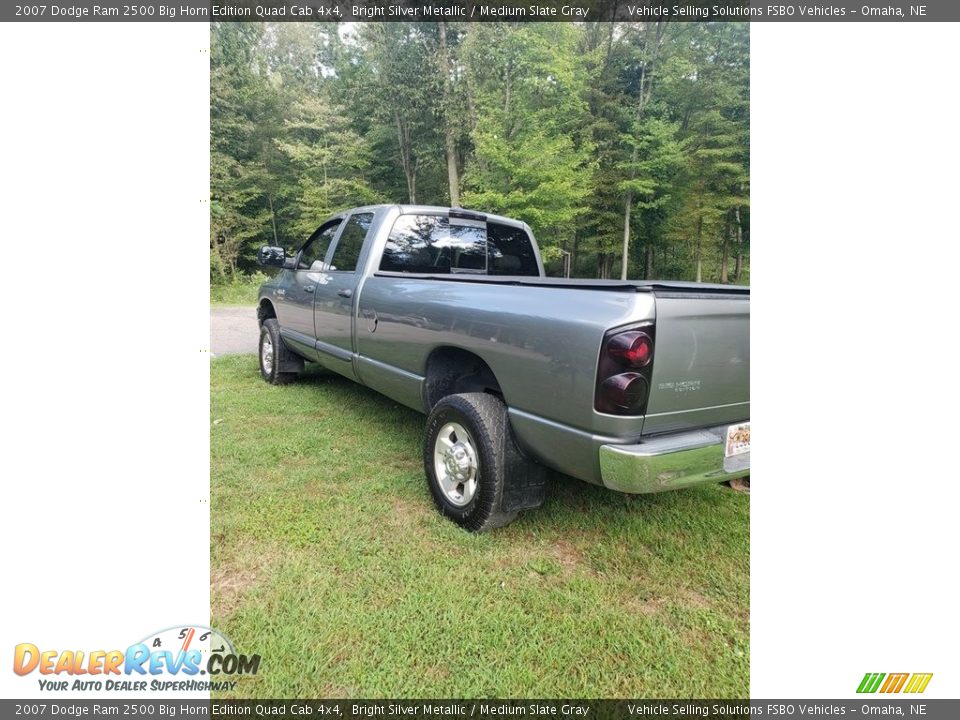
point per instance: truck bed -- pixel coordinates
(690, 289)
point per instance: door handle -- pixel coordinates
(309, 288)
(346, 292)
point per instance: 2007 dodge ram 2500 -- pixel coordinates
(640, 386)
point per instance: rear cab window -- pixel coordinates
(438, 244)
(346, 254)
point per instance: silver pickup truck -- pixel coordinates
(640, 386)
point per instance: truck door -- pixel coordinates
(296, 294)
(336, 297)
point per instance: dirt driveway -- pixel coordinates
(233, 330)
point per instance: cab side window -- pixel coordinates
(346, 254)
(434, 244)
(313, 253)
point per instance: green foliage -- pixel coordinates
(530, 152)
(238, 290)
(328, 160)
(284, 155)
(578, 129)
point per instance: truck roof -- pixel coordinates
(436, 209)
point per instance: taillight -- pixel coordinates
(625, 391)
(633, 348)
(624, 371)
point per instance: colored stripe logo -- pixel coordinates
(894, 682)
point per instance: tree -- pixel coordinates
(531, 155)
(709, 91)
(624, 145)
(650, 46)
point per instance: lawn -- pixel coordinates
(240, 291)
(329, 560)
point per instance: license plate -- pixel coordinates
(738, 440)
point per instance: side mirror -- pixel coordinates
(270, 256)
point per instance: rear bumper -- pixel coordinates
(671, 461)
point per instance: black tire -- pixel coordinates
(484, 417)
(281, 357)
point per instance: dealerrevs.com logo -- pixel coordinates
(181, 658)
(894, 682)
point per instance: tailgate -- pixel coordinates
(701, 364)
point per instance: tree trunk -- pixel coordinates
(723, 263)
(610, 33)
(412, 186)
(725, 251)
(738, 268)
(273, 220)
(452, 175)
(648, 269)
(409, 168)
(326, 185)
(699, 239)
(627, 207)
(646, 91)
(508, 124)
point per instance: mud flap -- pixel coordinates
(291, 362)
(288, 360)
(525, 481)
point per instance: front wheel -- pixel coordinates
(467, 454)
(274, 355)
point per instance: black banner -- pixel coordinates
(474, 11)
(483, 709)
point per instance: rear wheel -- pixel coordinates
(467, 455)
(274, 355)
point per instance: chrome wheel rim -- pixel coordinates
(266, 353)
(456, 464)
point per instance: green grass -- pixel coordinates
(240, 291)
(329, 560)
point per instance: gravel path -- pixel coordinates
(233, 330)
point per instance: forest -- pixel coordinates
(625, 146)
